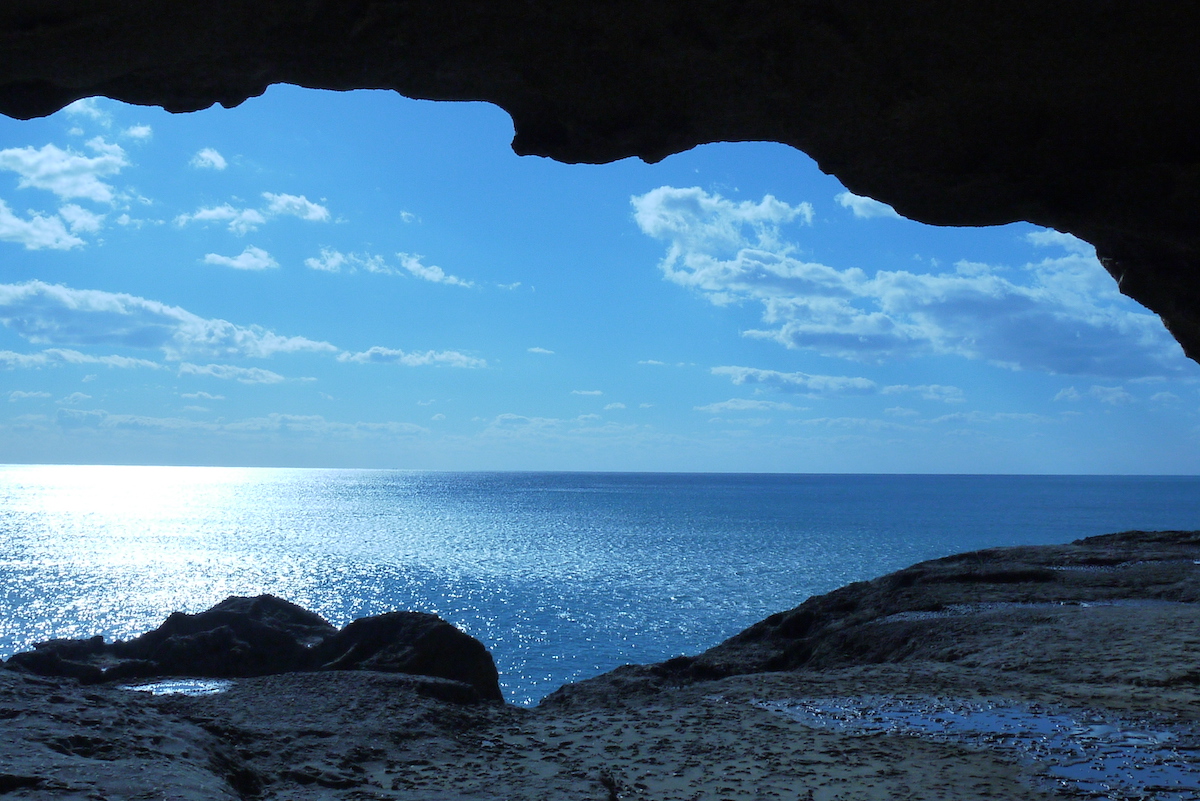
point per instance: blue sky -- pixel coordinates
(360, 280)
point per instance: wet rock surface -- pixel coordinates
(1025, 673)
(264, 635)
(1088, 751)
(1080, 119)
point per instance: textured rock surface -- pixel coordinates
(357, 735)
(265, 635)
(1110, 616)
(1083, 118)
(931, 610)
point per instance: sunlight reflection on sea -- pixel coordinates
(561, 575)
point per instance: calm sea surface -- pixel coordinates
(562, 575)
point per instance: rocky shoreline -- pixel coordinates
(264, 636)
(927, 683)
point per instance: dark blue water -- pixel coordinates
(561, 575)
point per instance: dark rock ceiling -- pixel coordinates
(1080, 116)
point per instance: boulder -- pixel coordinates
(264, 635)
(236, 638)
(411, 642)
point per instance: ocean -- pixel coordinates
(561, 575)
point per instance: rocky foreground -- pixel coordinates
(852, 695)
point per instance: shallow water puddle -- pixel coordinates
(182, 687)
(960, 610)
(1094, 753)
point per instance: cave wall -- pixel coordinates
(1080, 116)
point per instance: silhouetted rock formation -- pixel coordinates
(265, 635)
(410, 642)
(1078, 118)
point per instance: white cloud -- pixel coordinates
(933, 392)
(438, 416)
(13, 360)
(75, 397)
(251, 258)
(508, 420)
(53, 357)
(371, 264)
(748, 405)
(413, 264)
(1051, 238)
(541, 350)
(317, 425)
(295, 206)
(654, 362)
(900, 411)
(864, 423)
(521, 430)
(241, 221)
(815, 386)
(1115, 396)
(64, 172)
(992, 417)
(226, 372)
(58, 315)
(587, 392)
(408, 216)
(1060, 315)
(201, 396)
(18, 394)
(330, 261)
(1164, 397)
(334, 261)
(138, 132)
(865, 207)
(381, 355)
(77, 418)
(208, 159)
(272, 424)
(611, 406)
(121, 362)
(37, 232)
(88, 107)
(708, 251)
(80, 219)
(100, 419)
(698, 220)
